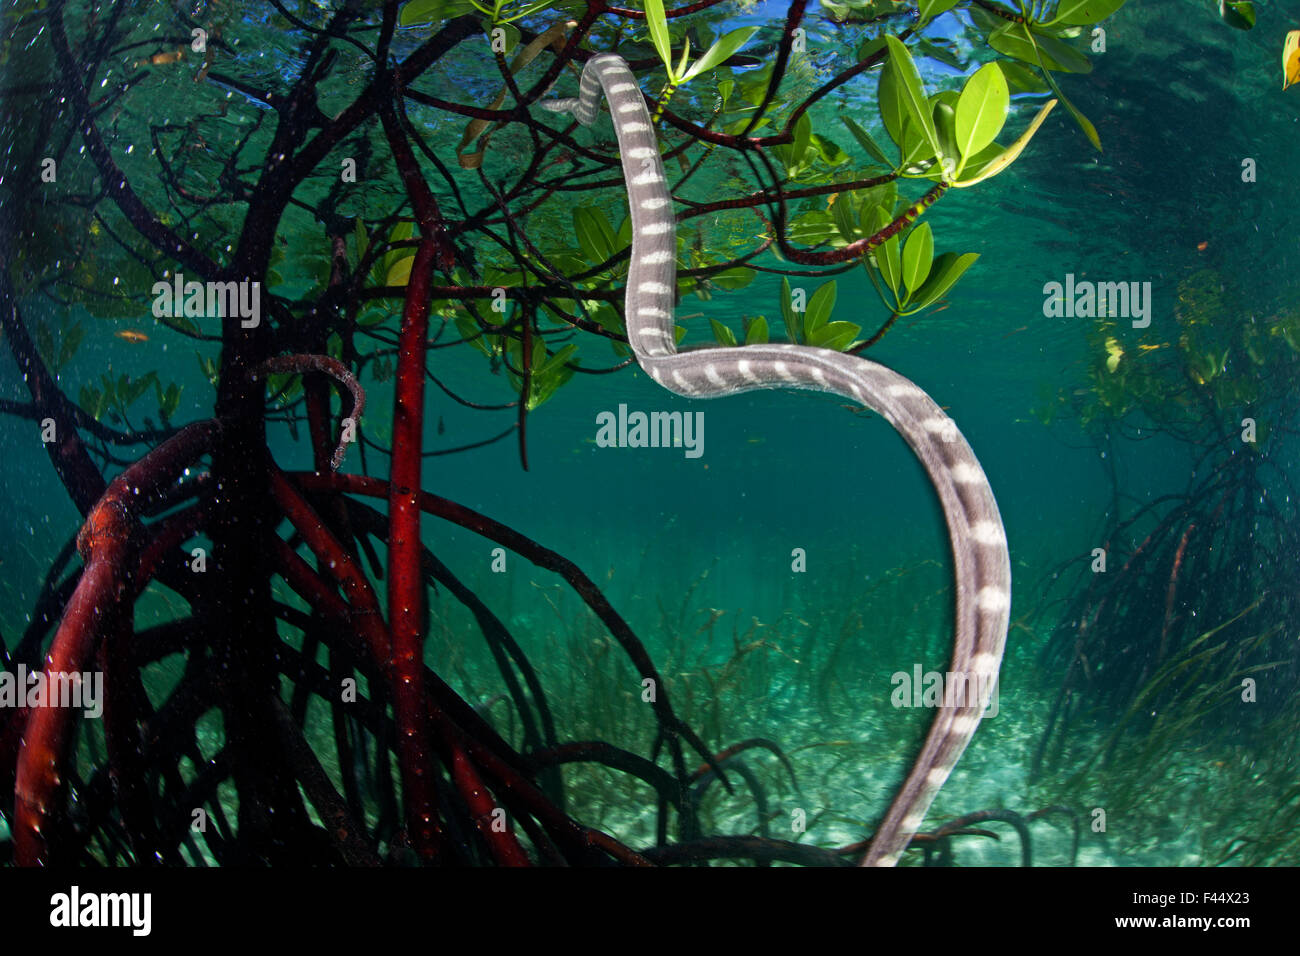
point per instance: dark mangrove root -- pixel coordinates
(301, 364)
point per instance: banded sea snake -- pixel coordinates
(979, 545)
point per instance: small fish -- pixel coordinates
(158, 59)
(442, 428)
(1202, 246)
(131, 335)
(940, 306)
(1114, 352)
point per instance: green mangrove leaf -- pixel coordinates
(932, 8)
(723, 334)
(918, 256)
(829, 152)
(835, 335)
(812, 228)
(498, 277)
(680, 71)
(908, 81)
(937, 52)
(1084, 12)
(988, 22)
(510, 34)
(657, 23)
(1082, 121)
(549, 375)
(1289, 330)
(361, 239)
(802, 138)
(603, 314)
(977, 165)
(884, 196)
(1014, 40)
(69, 344)
(890, 100)
(428, 11)
(917, 154)
(888, 260)
(372, 316)
(871, 47)
(820, 306)
(837, 11)
(1239, 14)
(567, 263)
(133, 389)
(208, 367)
(549, 366)
(753, 83)
(44, 340)
(731, 279)
(792, 323)
(866, 142)
(92, 401)
(947, 269)
(756, 332)
(168, 401)
(401, 232)
(470, 332)
(284, 385)
(1021, 79)
(845, 221)
(734, 128)
(988, 168)
(981, 110)
(595, 236)
(400, 273)
(945, 125)
(530, 9)
(720, 51)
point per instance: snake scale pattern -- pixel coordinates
(979, 545)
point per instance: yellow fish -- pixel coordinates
(1114, 352)
(131, 335)
(1291, 59)
(158, 59)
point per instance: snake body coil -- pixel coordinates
(982, 565)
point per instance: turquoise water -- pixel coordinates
(696, 553)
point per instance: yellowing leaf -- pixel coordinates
(400, 273)
(1013, 151)
(1291, 59)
